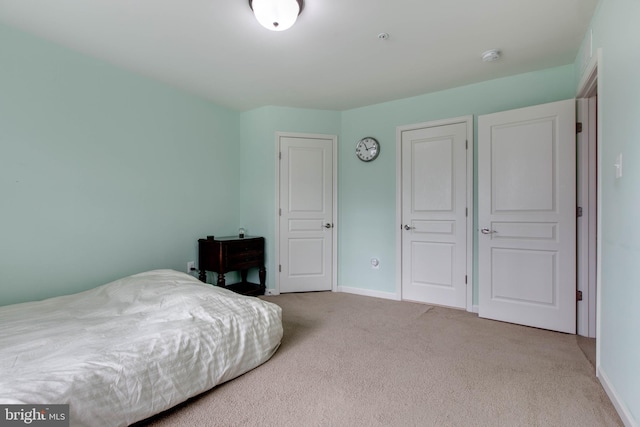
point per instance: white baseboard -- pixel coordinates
(348, 290)
(622, 409)
(368, 293)
(475, 309)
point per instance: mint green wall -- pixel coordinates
(258, 165)
(103, 173)
(367, 205)
(616, 31)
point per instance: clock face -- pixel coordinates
(367, 149)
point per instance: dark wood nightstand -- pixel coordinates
(224, 254)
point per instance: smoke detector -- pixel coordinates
(491, 55)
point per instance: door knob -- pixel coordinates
(328, 225)
(406, 227)
(486, 231)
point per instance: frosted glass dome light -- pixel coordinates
(276, 15)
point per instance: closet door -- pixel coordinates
(434, 214)
(527, 216)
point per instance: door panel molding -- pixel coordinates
(435, 227)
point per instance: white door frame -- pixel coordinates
(334, 248)
(586, 226)
(590, 233)
(468, 120)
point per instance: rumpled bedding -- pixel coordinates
(132, 348)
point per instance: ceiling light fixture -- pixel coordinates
(276, 15)
(491, 55)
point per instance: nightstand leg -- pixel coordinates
(221, 281)
(203, 276)
(243, 275)
(262, 274)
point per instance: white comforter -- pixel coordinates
(132, 348)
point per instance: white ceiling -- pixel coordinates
(332, 58)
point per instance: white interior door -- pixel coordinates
(527, 216)
(306, 213)
(434, 214)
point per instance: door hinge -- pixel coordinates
(579, 212)
(578, 295)
(280, 155)
(465, 279)
(578, 127)
(466, 144)
(466, 211)
(280, 268)
(280, 211)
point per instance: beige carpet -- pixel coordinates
(588, 347)
(349, 360)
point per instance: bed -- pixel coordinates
(127, 350)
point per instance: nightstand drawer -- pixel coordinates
(237, 248)
(243, 265)
(244, 260)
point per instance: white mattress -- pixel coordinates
(132, 348)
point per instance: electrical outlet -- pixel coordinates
(191, 266)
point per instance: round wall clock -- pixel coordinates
(367, 149)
